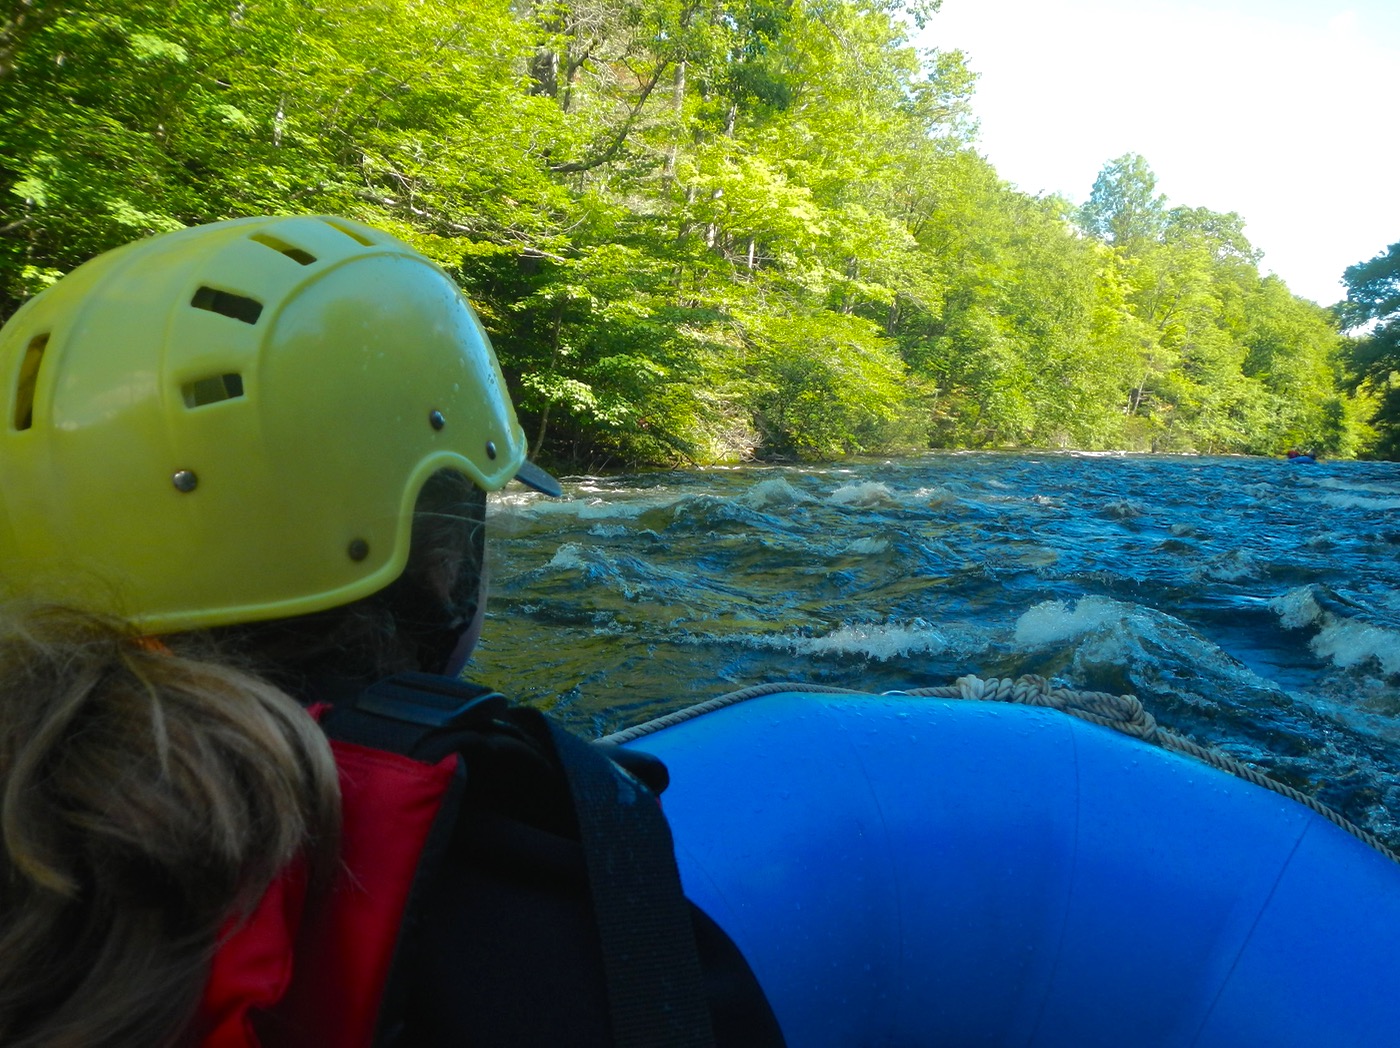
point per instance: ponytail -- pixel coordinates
(145, 800)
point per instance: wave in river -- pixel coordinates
(1249, 604)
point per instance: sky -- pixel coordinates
(1285, 111)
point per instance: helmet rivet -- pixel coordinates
(358, 549)
(491, 449)
(185, 480)
(437, 419)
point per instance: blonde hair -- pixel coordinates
(146, 800)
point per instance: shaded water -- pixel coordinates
(1249, 603)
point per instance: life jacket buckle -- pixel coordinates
(430, 701)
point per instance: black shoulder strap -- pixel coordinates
(656, 989)
(418, 715)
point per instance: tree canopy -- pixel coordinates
(695, 229)
(1372, 306)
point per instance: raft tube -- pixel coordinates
(908, 871)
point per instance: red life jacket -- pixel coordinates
(302, 971)
(295, 974)
(325, 970)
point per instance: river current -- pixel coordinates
(1251, 604)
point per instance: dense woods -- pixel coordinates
(696, 229)
(1372, 307)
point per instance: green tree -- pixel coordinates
(1023, 346)
(1124, 208)
(1373, 299)
(694, 228)
(1294, 353)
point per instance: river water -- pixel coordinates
(1251, 604)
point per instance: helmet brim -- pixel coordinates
(532, 476)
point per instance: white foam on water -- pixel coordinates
(602, 509)
(534, 506)
(1125, 638)
(1345, 641)
(879, 642)
(514, 498)
(1227, 567)
(1121, 509)
(868, 545)
(1110, 648)
(772, 492)
(867, 493)
(935, 496)
(1360, 502)
(1372, 486)
(611, 531)
(1053, 621)
(568, 557)
(1350, 643)
(1297, 608)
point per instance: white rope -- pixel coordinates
(1122, 713)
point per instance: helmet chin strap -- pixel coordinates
(436, 602)
(466, 641)
(438, 637)
(442, 626)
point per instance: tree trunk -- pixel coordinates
(553, 361)
(730, 118)
(677, 112)
(544, 73)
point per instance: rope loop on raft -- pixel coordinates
(1123, 713)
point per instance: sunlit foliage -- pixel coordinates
(696, 229)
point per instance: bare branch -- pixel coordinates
(620, 138)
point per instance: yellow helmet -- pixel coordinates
(232, 422)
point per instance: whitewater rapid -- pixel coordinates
(1249, 603)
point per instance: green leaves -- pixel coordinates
(142, 223)
(1224, 360)
(696, 229)
(1373, 357)
(1124, 208)
(1373, 289)
(148, 48)
(32, 191)
(826, 386)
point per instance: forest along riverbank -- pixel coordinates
(1248, 602)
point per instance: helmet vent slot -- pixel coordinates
(239, 307)
(350, 232)
(28, 379)
(212, 390)
(296, 254)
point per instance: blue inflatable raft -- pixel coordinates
(913, 872)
